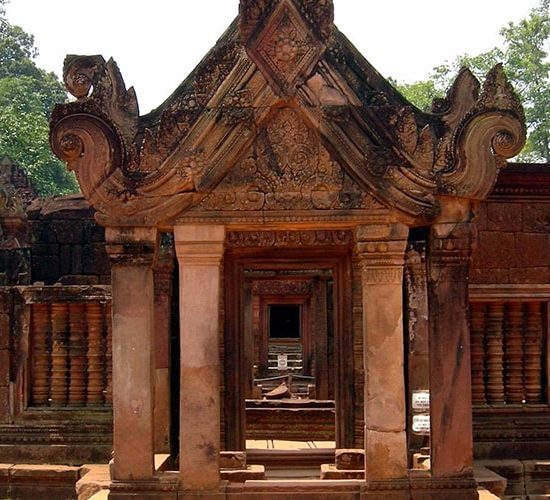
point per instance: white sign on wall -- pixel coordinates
(421, 425)
(421, 401)
(282, 362)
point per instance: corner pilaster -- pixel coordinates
(450, 375)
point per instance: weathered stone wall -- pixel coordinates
(67, 245)
(511, 243)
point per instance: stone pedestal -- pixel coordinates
(450, 375)
(381, 251)
(200, 251)
(131, 251)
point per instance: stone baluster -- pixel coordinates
(132, 250)
(94, 317)
(495, 353)
(381, 252)
(450, 358)
(477, 335)
(533, 354)
(108, 354)
(60, 358)
(513, 326)
(200, 251)
(77, 354)
(41, 351)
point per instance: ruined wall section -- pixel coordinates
(68, 246)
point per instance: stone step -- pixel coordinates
(490, 480)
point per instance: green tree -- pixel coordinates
(525, 58)
(27, 96)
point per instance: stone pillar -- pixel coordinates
(131, 251)
(200, 251)
(450, 373)
(381, 250)
(416, 300)
(164, 275)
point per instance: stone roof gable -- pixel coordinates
(281, 55)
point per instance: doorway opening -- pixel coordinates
(287, 319)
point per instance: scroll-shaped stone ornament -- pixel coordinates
(489, 134)
(96, 137)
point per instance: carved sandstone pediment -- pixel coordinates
(283, 114)
(287, 169)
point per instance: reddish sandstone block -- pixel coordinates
(504, 217)
(531, 275)
(480, 217)
(537, 477)
(4, 367)
(536, 218)
(330, 472)
(489, 276)
(4, 331)
(232, 460)
(495, 250)
(350, 459)
(250, 473)
(531, 250)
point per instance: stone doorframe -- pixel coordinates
(335, 258)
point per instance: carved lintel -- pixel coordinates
(279, 239)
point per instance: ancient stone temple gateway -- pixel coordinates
(295, 181)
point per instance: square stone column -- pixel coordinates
(163, 271)
(450, 364)
(381, 250)
(200, 251)
(132, 251)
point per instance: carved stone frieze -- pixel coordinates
(282, 287)
(287, 238)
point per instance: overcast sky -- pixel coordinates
(157, 44)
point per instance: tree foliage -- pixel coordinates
(525, 58)
(27, 96)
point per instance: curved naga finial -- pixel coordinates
(482, 137)
(96, 136)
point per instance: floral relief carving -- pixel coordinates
(288, 169)
(287, 238)
(286, 50)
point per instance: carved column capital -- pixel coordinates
(131, 246)
(200, 245)
(449, 252)
(381, 251)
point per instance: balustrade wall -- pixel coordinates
(70, 354)
(508, 342)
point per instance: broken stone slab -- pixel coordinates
(537, 477)
(330, 472)
(490, 480)
(249, 473)
(350, 459)
(232, 460)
